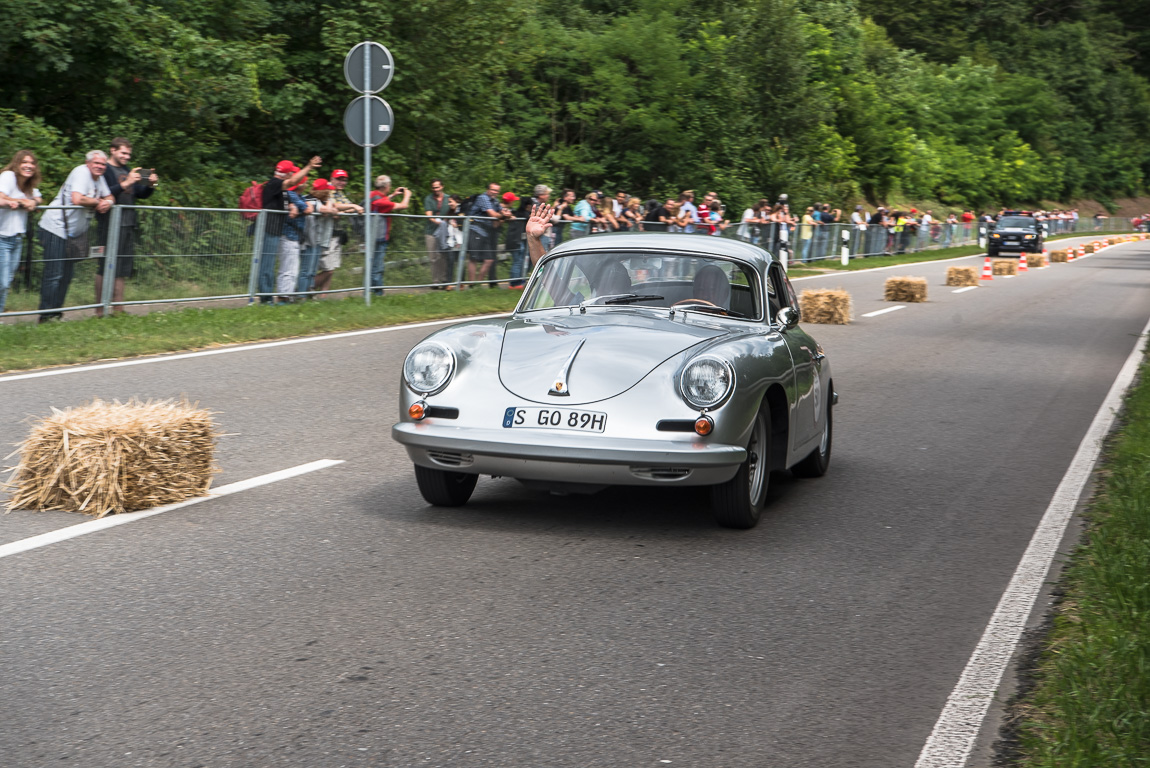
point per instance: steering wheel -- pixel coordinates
(696, 301)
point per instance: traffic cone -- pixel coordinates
(1045, 257)
(1022, 263)
(987, 270)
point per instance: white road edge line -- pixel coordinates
(964, 290)
(954, 735)
(80, 529)
(240, 348)
(884, 311)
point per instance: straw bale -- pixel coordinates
(106, 458)
(826, 305)
(1059, 257)
(905, 288)
(1005, 266)
(961, 276)
(1035, 260)
(1089, 248)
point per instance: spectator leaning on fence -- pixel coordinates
(381, 203)
(275, 201)
(19, 193)
(64, 234)
(435, 207)
(487, 214)
(291, 243)
(688, 213)
(318, 232)
(128, 185)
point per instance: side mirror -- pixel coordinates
(788, 318)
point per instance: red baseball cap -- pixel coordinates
(510, 197)
(339, 173)
(286, 166)
(320, 184)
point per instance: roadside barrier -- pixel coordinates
(170, 255)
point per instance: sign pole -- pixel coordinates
(368, 241)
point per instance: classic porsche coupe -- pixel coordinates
(632, 359)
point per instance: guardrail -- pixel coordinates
(166, 255)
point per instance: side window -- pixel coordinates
(777, 295)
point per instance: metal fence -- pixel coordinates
(165, 255)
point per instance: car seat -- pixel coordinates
(711, 284)
(613, 280)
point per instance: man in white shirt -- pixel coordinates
(926, 226)
(64, 234)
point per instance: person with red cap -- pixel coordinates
(275, 201)
(381, 202)
(318, 232)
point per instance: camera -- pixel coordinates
(146, 175)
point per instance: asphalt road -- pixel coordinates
(334, 619)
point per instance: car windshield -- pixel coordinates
(687, 281)
(1016, 221)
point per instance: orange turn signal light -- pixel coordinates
(704, 425)
(417, 410)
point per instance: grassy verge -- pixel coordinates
(27, 345)
(1090, 706)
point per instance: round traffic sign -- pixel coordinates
(382, 68)
(379, 125)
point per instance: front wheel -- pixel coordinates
(739, 502)
(819, 460)
(444, 489)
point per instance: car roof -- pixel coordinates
(707, 245)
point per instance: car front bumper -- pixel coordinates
(565, 457)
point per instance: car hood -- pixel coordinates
(613, 350)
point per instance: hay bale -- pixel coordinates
(828, 306)
(905, 288)
(1005, 266)
(1035, 261)
(962, 276)
(1059, 257)
(106, 458)
(1089, 248)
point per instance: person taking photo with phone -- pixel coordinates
(127, 184)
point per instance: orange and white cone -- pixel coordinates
(987, 270)
(1022, 263)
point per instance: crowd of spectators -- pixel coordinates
(308, 226)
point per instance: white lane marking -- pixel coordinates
(884, 311)
(1007, 277)
(964, 290)
(240, 348)
(954, 734)
(110, 521)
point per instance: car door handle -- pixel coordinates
(817, 356)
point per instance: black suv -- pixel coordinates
(1015, 231)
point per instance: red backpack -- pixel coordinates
(252, 200)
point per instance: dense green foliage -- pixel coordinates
(966, 103)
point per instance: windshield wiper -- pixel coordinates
(629, 298)
(712, 309)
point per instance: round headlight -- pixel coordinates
(706, 382)
(428, 367)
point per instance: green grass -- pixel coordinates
(28, 345)
(1091, 704)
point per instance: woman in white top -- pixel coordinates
(19, 193)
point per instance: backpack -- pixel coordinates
(252, 200)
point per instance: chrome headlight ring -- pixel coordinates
(429, 367)
(706, 382)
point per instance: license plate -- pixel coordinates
(554, 418)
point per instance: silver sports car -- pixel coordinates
(632, 359)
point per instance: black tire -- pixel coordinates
(819, 460)
(992, 253)
(444, 489)
(739, 502)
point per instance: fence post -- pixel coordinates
(462, 253)
(111, 251)
(846, 247)
(257, 255)
(981, 235)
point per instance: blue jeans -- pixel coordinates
(518, 257)
(377, 267)
(267, 277)
(309, 260)
(57, 274)
(10, 247)
(806, 246)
